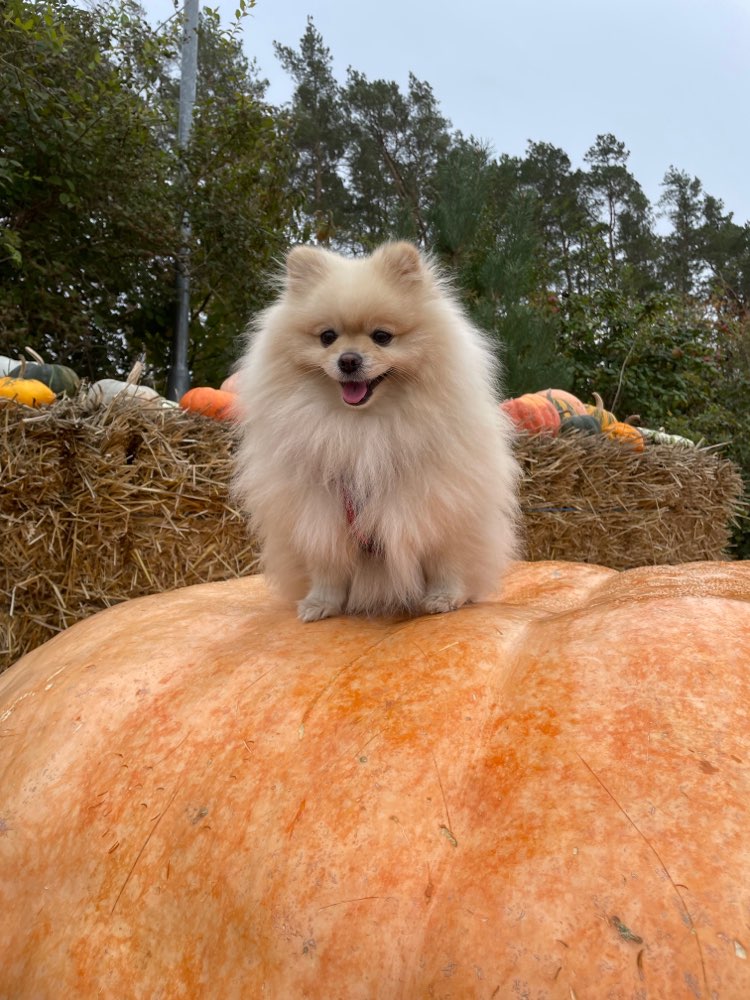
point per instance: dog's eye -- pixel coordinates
(382, 337)
(327, 337)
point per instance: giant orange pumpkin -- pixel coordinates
(544, 795)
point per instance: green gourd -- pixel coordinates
(582, 423)
(62, 380)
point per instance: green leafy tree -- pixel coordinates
(92, 196)
(236, 192)
(665, 358)
(459, 209)
(81, 186)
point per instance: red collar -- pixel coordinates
(365, 543)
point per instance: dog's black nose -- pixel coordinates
(349, 362)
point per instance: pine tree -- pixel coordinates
(617, 200)
(514, 309)
(682, 202)
(396, 142)
(319, 134)
(562, 214)
(485, 230)
(725, 248)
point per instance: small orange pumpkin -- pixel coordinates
(215, 403)
(533, 413)
(625, 434)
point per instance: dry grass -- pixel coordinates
(99, 507)
(594, 500)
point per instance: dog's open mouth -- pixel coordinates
(357, 393)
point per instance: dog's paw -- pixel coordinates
(313, 609)
(440, 602)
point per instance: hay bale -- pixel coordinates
(590, 499)
(97, 507)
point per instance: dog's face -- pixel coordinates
(357, 326)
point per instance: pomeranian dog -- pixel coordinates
(374, 461)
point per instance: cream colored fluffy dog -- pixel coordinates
(374, 462)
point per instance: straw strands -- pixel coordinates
(96, 508)
(132, 499)
(590, 499)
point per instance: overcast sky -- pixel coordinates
(670, 78)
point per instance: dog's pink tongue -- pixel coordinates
(353, 392)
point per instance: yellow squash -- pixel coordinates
(29, 391)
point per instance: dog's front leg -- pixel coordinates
(444, 588)
(325, 599)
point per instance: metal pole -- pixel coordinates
(179, 375)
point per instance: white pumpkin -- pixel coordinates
(7, 365)
(102, 393)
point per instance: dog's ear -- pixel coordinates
(304, 266)
(401, 261)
